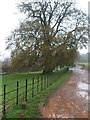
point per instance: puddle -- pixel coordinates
(84, 94)
(83, 86)
(83, 90)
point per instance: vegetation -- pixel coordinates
(6, 66)
(85, 66)
(47, 38)
(32, 110)
(83, 58)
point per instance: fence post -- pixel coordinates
(32, 87)
(44, 82)
(17, 93)
(41, 82)
(4, 98)
(37, 84)
(26, 91)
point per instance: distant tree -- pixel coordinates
(82, 58)
(51, 32)
(6, 65)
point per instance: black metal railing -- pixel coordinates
(30, 88)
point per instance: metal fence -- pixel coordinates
(24, 90)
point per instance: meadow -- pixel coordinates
(32, 110)
(85, 65)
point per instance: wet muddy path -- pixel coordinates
(70, 101)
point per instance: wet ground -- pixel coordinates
(70, 101)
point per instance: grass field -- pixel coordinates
(85, 65)
(33, 103)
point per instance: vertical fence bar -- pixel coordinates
(48, 80)
(37, 84)
(32, 87)
(4, 98)
(45, 82)
(17, 93)
(26, 91)
(41, 82)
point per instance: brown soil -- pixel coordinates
(70, 101)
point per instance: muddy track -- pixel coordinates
(70, 101)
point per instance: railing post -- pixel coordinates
(37, 84)
(41, 83)
(4, 98)
(26, 91)
(32, 87)
(17, 93)
(44, 82)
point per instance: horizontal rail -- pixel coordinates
(15, 82)
(10, 106)
(10, 99)
(21, 94)
(30, 84)
(22, 87)
(10, 83)
(35, 87)
(29, 89)
(11, 91)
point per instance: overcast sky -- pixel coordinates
(10, 17)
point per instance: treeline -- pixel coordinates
(83, 58)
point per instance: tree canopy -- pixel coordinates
(49, 36)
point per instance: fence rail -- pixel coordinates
(30, 89)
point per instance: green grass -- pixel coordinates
(32, 110)
(18, 76)
(13, 78)
(0, 96)
(85, 66)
